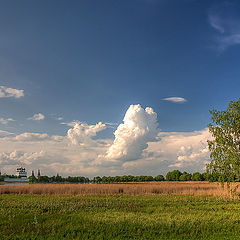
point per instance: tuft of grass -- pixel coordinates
(118, 217)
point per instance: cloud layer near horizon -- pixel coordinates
(138, 148)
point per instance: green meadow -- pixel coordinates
(118, 217)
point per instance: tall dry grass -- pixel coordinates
(181, 188)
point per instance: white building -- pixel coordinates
(21, 172)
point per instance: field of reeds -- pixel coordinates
(177, 188)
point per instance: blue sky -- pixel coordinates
(89, 60)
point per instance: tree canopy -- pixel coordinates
(224, 147)
(173, 176)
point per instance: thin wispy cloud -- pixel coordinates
(216, 23)
(228, 41)
(70, 124)
(37, 117)
(6, 120)
(6, 92)
(175, 99)
(111, 125)
(56, 117)
(227, 25)
(73, 123)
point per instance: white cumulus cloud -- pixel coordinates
(131, 137)
(185, 150)
(37, 117)
(175, 99)
(6, 92)
(19, 157)
(82, 133)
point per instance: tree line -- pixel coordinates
(127, 178)
(174, 175)
(58, 179)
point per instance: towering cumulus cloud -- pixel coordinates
(82, 133)
(131, 137)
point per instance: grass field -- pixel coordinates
(119, 216)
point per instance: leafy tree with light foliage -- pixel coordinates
(225, 145)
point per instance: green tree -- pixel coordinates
(32, 179)
(104, 179)
(206, 177)
(197, 176)
(43, 179)
(59, 178)
(97, 179)
(185, 177)
(1, 178)
(159, 178)
(173, 176)
(225, 145)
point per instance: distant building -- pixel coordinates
(21, 172)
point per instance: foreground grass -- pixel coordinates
(118, 217)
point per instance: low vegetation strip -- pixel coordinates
(179, 188)
(118, 217)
